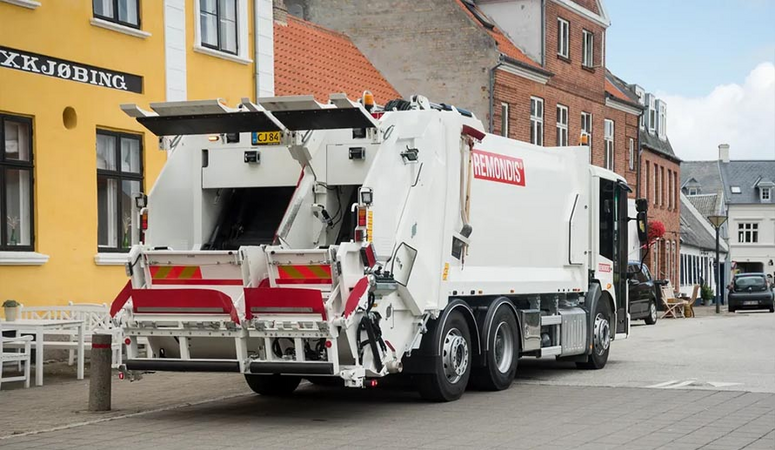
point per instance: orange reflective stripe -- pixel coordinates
(313, 273)
(176, 272)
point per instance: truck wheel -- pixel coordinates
(651, 319)
(501, 359)
(272, 385)
(601, 338)
(453, 366)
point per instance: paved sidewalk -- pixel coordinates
(64, 401)
(523, 417)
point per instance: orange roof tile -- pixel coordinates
(505, 45)
(613, 90)
(310, 59)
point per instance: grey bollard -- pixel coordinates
(100, 372)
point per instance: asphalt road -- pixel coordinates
(706, 383)
(726, 352)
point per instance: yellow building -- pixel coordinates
(69, 158)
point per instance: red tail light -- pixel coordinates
(127, 341)
(360, 235)
(144, 221)
(361, 217)
(368, 256)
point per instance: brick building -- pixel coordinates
(533, 70)
(660, 180)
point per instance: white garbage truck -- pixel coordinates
(288, 239)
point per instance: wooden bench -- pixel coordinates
(96, 319)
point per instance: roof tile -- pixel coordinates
(310, 59)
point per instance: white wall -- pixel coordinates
(764, 250)
(697, 268)
(521, 20)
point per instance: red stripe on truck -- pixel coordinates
(267, 300)
(196, 282)
(499, 168)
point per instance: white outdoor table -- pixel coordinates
(39, 328)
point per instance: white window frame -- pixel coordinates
(656, 185)
(652, 114)
(748, 232)
(608, 132)
(693, 191)
(505, 119)
(588, 49)
(536, 121)
(662, 120)
(562, 125)
(586, 127)
(765, 194)
(563, 38)
(632, 154)
(243, 55)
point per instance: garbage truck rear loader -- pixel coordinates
(289, 239)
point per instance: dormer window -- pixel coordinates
(652, 113)
(694, 191)
(765, 194)
(662, 121)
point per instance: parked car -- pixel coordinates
(751, 291)
(642, 293)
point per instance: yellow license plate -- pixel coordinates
(265, 137)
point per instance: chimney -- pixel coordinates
(280, 12)
(723, 153)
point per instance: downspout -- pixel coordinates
(492, 91)
(637, 169)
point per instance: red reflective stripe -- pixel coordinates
(100, 345)
(176, 299)
(175, 272)
(121, 299)
(283, 300)
(355, 296)
(303, 281)
(198, 282)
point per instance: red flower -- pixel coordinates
(656, 230)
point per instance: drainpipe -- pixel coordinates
(492, 91)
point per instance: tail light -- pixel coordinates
(368, 256)
(361, 217)
(360, 235)
(144, 221)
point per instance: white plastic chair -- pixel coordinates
(22, 356)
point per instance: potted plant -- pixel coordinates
(706, 294)
(11, 308)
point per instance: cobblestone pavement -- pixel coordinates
(523, 417)
(712, 385)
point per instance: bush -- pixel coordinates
(706, 292)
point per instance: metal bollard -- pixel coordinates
(100, 372)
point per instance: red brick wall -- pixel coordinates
(588, 4)
(664, 208)
(516, 91)
(569, 75)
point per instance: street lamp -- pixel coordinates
(717, 221)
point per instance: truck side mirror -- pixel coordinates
(642, 206)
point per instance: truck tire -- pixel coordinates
(601, 338)
(501, 359)
(273, 385)
(651, 319)
(449, 377)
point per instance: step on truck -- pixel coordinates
(288, 239)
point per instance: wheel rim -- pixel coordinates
(503, 347)
(653, 311)
(455, 355)
(602, 334)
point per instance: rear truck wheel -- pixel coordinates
(601, 338)
(651, 319)
(273, 385)
(502, 354)
(449, 379)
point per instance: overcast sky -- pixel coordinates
(712, 61)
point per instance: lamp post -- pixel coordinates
(717, 221)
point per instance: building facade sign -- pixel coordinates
(68, 70)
